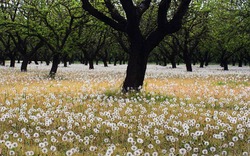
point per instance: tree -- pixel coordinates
(126, 16)
(228, 38)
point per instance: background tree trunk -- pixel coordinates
(24, 64)
(54, 67)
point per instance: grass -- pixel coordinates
(88, 115)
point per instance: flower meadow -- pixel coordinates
(83, 112)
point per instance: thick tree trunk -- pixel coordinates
(54, 67)
(115, 62)
(24, 64)
(136, 68)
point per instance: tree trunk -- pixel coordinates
(115, 61)
(136, 68)
(97, 62)
(173, 62)
(225, 64)
(47, 62)
(54, 67)
(240, 62)
(164, 61)
(187, 61)
(24, 64)
(105, 62)
(12, 61)
(91, 63)
(202, 63)
(105, 59)
(110, 60)
(2, 62)
(65, 61)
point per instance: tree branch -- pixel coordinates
(162, 13)
(129, 8)
(97, 14)
(175, 23)
(143, 6)
(115, 13)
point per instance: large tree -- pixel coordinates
(126, 16)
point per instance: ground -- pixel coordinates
(83, 112)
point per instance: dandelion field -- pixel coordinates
(82, 112)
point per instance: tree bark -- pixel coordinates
(240, 62)
(202, 63)
(91, 64)
(65, 61)
(47, 62)
(55, 63)
(12, 61)
(173, 63)
(225, 64)
(187, 61)
(137, 65)
(24, 64)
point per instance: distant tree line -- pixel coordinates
(125, 31)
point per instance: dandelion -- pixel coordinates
(140, 141)
(245, 154)
(129, 154)
(14, 144)
(41, 145)
(53, 148)
(231, 144)
(158, 142)
(69, 153)
(150, 146)
(133, 148)
(106, 140)
(12, 153)
(163, 151)
(224, 153)
(36, 135)
(44, 150)
(155, 154)
(15, 135)
(235, 138)
(212, 149)
(182, 151)
(146, 154)
(204, 151)
(172, 150)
